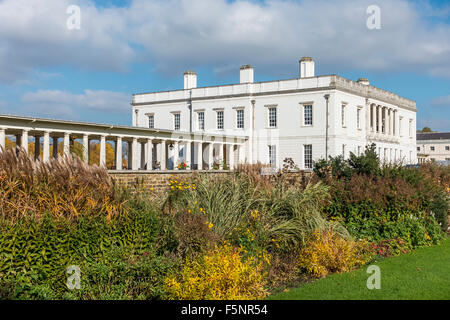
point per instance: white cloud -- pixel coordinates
(443, 101)
(35, 35)
(178, 34)
(274, 35)
(64, 104)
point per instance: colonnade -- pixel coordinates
(383, 120)
(144, 149)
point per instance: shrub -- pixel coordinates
(35, 254)
(391, 247)
(121, 275)
(328, 252)
(221, 274)
(284, 269)
(440, 209)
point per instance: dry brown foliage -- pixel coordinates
(65, 187)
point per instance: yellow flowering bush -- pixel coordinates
(328, 252)
(221, 274)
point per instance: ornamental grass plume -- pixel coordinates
(65, 187)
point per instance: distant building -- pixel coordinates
(433, 146)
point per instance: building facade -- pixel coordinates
(306, 118)
(433, 146)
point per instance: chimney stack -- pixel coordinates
(306, 67)
(190, 80)
(246, 74)
(364, 81)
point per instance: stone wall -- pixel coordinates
(158, 180)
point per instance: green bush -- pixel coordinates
(35, 254)
(440, 208)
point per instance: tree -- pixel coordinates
(367, 163)
(425, 129)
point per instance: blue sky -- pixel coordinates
(129, 46)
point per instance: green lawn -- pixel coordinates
(422, 274)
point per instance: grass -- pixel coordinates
(422, 274)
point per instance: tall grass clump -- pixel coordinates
(239, 208)
(63, 187)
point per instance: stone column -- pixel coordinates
(373, 124)
(85, 148)
(367, 109)
(391, 122)
(241, 154)
(24, 140)
(379, 121)
(396, 133)
(230, 155)
(55, 147)
(221, 159)
(211, 156)
(163, 162)
(187, 157)
(2, 139)
(135, 160)
(176, 153)
(103, 151)
(37, 147)
(198, 148)
(66, 144)
(149, 154)
(119, 153)
(46, 151)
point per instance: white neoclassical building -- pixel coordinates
(306, 118)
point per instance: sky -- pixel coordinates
(54, 65)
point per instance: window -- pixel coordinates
(240, 119)
(400, 120)
(432, 148)
(418, 148)
(307, 115)
(358, 118)
(272, 117)
(359, 150)
(272, 156)
(219, 120)
(151, 121)
(176, 121)
(308, 156)
(201, 120)
(343, 115)
(447, 159)
(343, 151)
(447, 148)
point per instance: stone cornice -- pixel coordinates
(322, 84)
